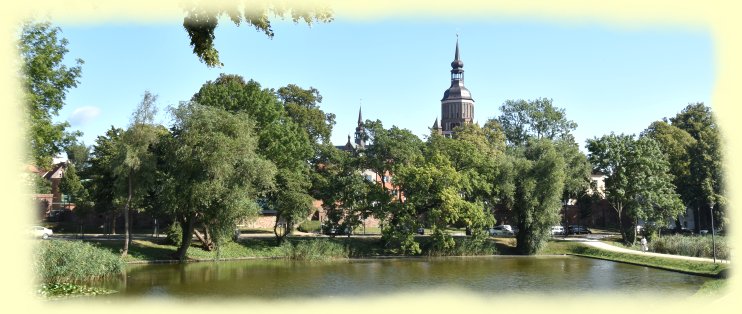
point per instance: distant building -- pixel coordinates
(457, 105)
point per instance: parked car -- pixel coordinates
(577, 229)
(421, 231)
(555, 230)
(41, 232)
(501, 230)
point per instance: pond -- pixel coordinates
(277, 279)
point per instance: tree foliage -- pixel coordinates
(290, 126)
(135, 161)
(201, 21)
(104, 196)
(638, 183)
(706, 181)
(213, 166)
(521, 120)
(46, 80)
(539, 182)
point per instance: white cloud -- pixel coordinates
(84, 115)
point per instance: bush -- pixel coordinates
(695, 246)
(174, 234)
(59, 260)
(314, 250)
(309, 226)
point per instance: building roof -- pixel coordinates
(457, 91)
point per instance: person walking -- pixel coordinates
(644, 244)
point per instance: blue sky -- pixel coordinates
(606, 78)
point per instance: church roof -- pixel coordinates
(457, 91)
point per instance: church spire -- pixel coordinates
(360, 135)
(457, 66)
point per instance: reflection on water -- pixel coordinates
(270, 279)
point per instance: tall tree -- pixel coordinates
(289, 130)
(538, 188)
(104, 197)
(391, 150)
(523, 120)
(638, 182)
(214, 167)
(136, 162)
(46, 80)
(675, 144)
(201, 22)
(706, 184)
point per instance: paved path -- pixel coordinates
(608, 247)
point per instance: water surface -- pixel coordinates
(274, 279)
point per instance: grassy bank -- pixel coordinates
(691, 267)
(61, 266)
(299, 248)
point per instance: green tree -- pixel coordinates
(289, 131)
(538, 188)
(135, 160)
(201, 22)
(706, 184)
(302, 106)
(521, 120)
(104, 196)
(213, 165)
(71, 186)
(338, 182)
(675, 144)
(638, 181)
(46, 80)
(538, 119)
(390, 150)
(78, 154)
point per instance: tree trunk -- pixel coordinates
(620, 224)
(127, 235)
(187, 226)
(113, 224)
(206, 243)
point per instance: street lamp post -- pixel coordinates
(713, 240)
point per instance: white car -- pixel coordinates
(557, 230)
(41, 232)
(501, 230)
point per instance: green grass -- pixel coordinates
(712, 288)
(57, 261)
(578, 249)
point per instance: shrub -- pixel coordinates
(174, 234)
(314, 250)
(59, 260)
(309, 226)
(696, 246)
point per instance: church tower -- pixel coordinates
(360, 135)
(457, 106)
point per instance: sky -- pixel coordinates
(607, 78)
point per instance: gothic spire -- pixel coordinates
(360, 118)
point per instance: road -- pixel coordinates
(605, 246)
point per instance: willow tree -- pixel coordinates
(538, 185)
(212, 164)
(201, 21)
